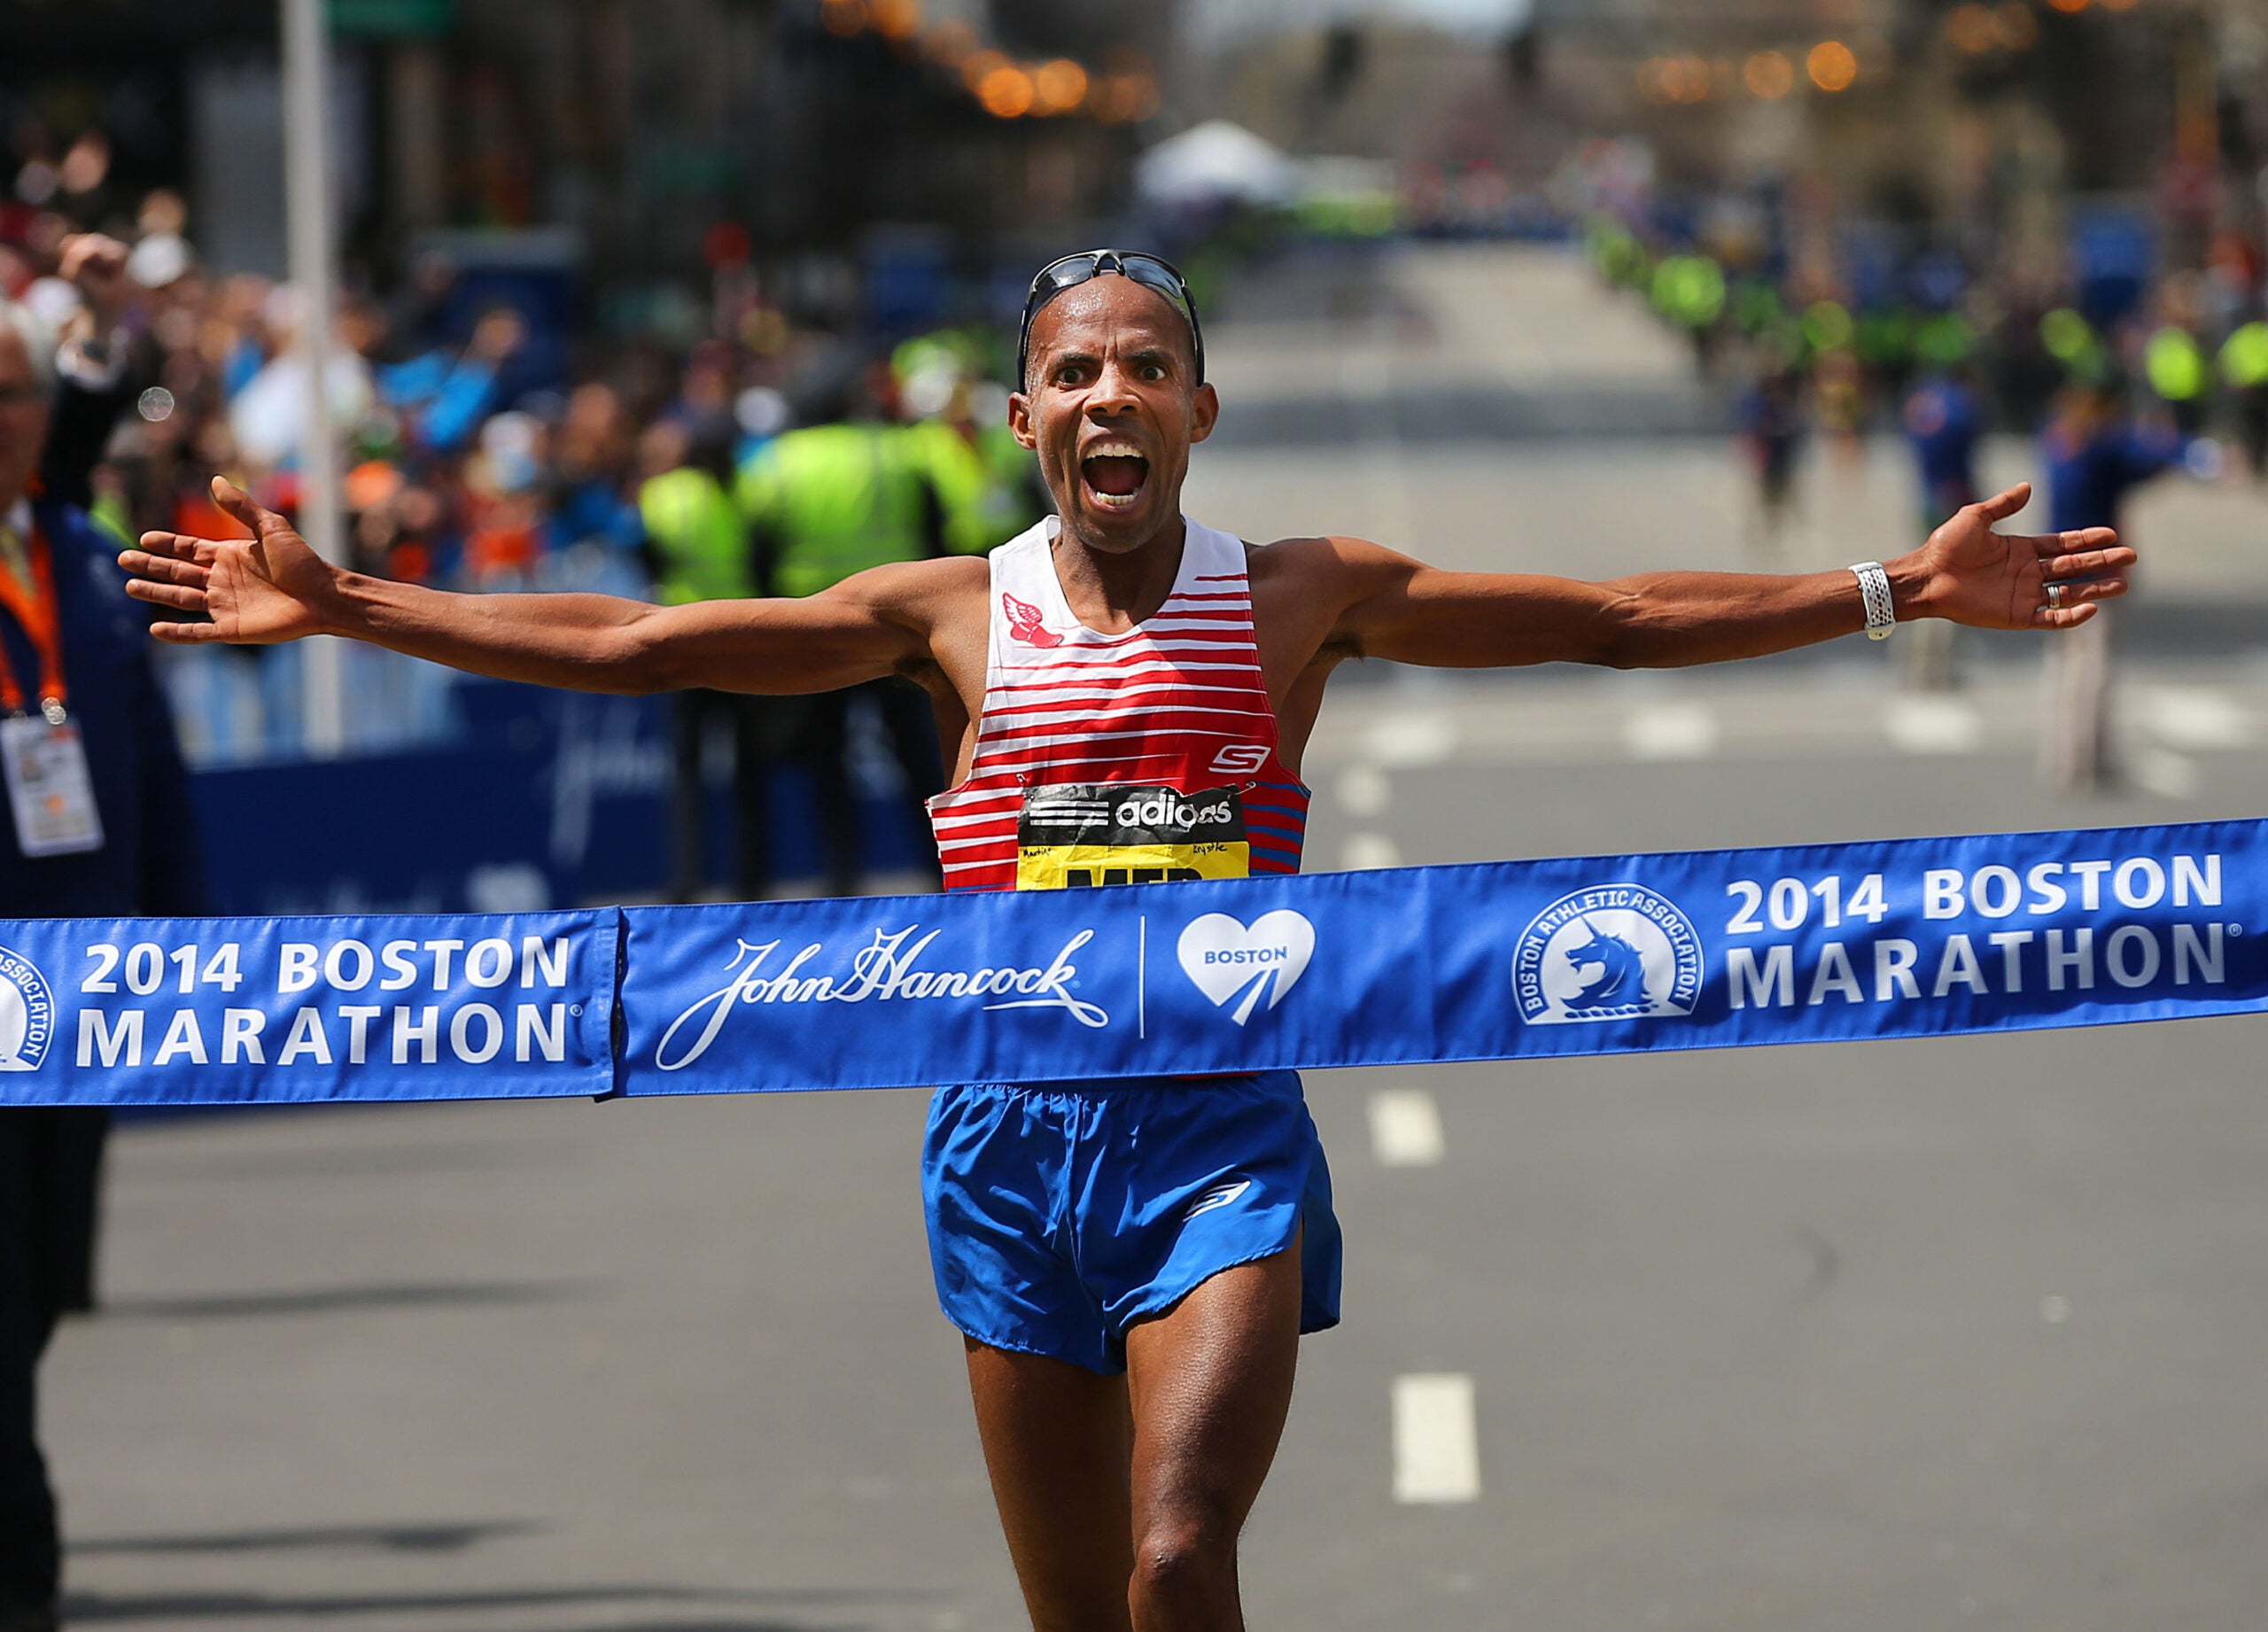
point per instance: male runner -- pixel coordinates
(1132, 1262)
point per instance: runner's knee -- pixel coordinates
(1188, 1556)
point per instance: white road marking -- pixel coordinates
(1436, 1447)
(1366, 850)
(1933, 726)
(1670, 731)
(2195, 717)
(2166, 773)
(1406, 1127)
(1410, 738)
(1364, 792)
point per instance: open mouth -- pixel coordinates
(1115, 476)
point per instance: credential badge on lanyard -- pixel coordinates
(51, 792)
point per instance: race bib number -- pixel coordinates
(49, 788)
(1079, 834)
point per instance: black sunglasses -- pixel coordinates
(1151, 271)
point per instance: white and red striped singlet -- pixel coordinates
(1120, 758)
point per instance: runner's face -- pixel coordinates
(1112, 406)
(23, 418)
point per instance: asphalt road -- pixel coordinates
(1963, 1333)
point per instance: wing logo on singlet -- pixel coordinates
(1077, 833)
(1024, 622)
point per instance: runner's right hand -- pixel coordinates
(256, 591)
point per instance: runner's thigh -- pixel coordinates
(1056, 1443)
(1210, 1382)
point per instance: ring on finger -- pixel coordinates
(2055, 595)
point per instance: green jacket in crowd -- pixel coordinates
(835, 499)
(699, 542)
(988, 485)
(2244, 356)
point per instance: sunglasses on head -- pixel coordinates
(1151, 271)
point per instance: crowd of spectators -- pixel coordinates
(483, 449)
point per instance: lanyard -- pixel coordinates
(38, 612)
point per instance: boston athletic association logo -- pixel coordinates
(27, 1013)
(1613, 951)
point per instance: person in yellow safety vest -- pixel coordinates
(2175, 365)
(697, 549)
(821, 503)
(988, 485)
(2244, 370)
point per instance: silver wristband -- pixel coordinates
(1874, 592)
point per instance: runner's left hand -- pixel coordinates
(1998, 580)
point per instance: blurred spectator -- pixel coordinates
(92, 386)
(1771, 422)
(700, 549)
(2244, 369)
(2173, 359)
(2095, 454)
(988, 485)
(823, 503)
(269, 415)
(93, 776)
(1942, 425)
(444, 397)
(590, 501)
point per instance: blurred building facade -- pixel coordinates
(1978, 117)
(640, 127)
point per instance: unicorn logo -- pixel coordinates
(1614, 951)
(1621, 970)
(1024, 623)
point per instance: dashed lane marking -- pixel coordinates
(1436, 1446)
(1406, 1127)
(2166, 773)
(1364, 792)
(1410, 738)
(1671, 731)
(2195, 718)
(1366, 850)
(1933, 726)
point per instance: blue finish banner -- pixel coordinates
(1915, 937)
(183, 1011)
(1920, 937)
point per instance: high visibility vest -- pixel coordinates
(836, 499)
(698, 535)
(2244, 356)
(2175, 363)
(984, 484)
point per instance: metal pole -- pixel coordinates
(307, 201)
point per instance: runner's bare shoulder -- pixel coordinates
(944, 600)
(1318, 561)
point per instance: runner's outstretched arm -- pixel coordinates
(1402, 609)
(273, 588)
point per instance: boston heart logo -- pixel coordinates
(1225, 958)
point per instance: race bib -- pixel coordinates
(48, 787)
(1074, 835)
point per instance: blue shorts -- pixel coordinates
(1063, 1214)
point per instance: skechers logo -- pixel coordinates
(1220, 1195)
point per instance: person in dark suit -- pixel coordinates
(88, 735)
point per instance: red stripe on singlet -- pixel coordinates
(1154, 706)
